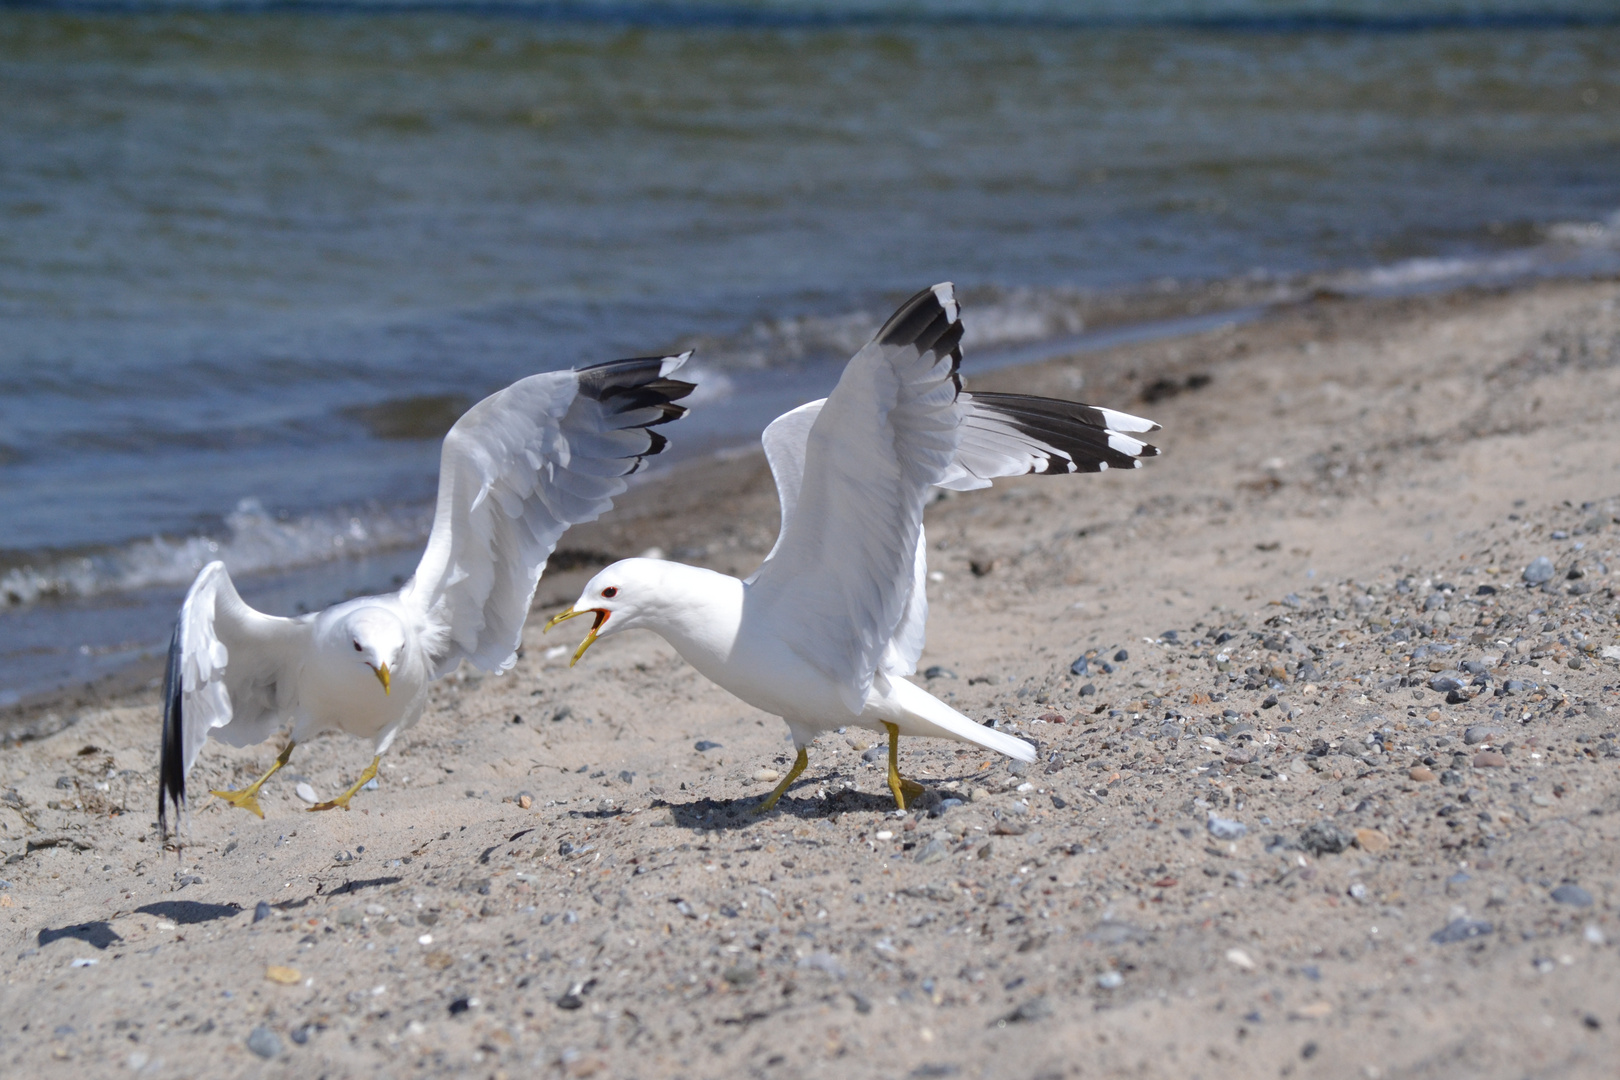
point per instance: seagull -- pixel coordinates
(825, 631)
(517, 469)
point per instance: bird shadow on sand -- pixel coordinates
(98, 934)
(189, 912)
(740, 814)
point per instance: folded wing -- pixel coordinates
(517, 470)
(232, 672)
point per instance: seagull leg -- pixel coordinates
(901, 787)
(800, 763)
(247, 797)
(343, 800)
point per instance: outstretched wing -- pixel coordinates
(841, 574)
(999, 435)
(232, 670)
(517, 470)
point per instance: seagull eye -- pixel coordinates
(357, 647)
(610, 592)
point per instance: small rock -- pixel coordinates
(767, 775)
(305, 792)
(1030, 1011)
(740, 976)
(261, 911)
(932, 852)
(874, 753)
(1088, 690)
(1121, 656)
(1445, 682)
(460, 1005)
(1479, 733)
(1539, 571)
(1451, 777)
(525, 801)
(1489, 759)
(1325, 838)
(264, 1042)
(286, 976)
(1240, 958)
(1371, 841)
(350, 917)
(1573, 895)
(1421, 773)
(1110, 980)
(1460, 929)
(938, 672)
(705, 744)
(1081, 667)
(1226, 829)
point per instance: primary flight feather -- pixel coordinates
(825, 631)
(517, 469)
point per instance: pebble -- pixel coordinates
(1479, 733)
(938, 672)
(1081, 667)
(307, 793)
(767, 775)
(1088, 690)
(1110, 980)
(286, 976)
(1421, 773)
(1539, 571)
(264, 1042)
(705, 744)
(874, 753)
(261, 911)
(1489, 759)
(1573, 895)
(1371, 841)
(1225, 828)
(740, 976)
(932, 852)
(1325, 838)
(1240, 958)
(1445, 682)
(1460, 929)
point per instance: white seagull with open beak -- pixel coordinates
(825, 631)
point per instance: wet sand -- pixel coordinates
(1347, 807)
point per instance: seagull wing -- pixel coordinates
(517, 470)
(232, 670)
(841, 575)
(999, 435)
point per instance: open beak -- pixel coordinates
(382, 677)
(569, 613)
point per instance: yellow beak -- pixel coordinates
(382, 677)
(568, 613)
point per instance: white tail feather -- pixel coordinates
(930, 716)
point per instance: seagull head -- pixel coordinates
(621, 597)
(377, 638)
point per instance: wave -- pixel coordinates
(253, 541)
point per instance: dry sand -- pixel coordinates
(1343, 487)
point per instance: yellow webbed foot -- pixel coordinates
(902, 788)
(343, 800)
(246, 798)
(800, 763)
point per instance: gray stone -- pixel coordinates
(261, 911)
(1081, 667)
(931, 852)
(1479, 733)
(874, 753)
(1446, 681)
(264, 1042)
(706, 744)
(1539, 572)
(1225, 828)
(1573, 895)
(1325, 838)
(1460, 930)
(1030, 1011)
(939, 672)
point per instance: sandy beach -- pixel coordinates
(1334, 793)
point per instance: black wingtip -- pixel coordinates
(1080, 433)
(172, 757)
(639, 384)
(929, 322)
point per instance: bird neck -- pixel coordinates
(699, 613)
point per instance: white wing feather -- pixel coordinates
(517, 470)
(844, 566)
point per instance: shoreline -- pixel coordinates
(1147, 332)
(1347, 805)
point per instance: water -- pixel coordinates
(251, 261)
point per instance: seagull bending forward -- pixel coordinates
(825, 631)
(516, 471)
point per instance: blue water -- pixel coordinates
(246, 251)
